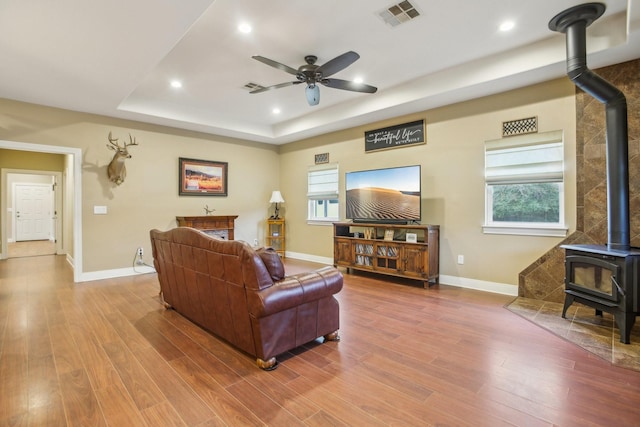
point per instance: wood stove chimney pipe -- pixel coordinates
(574, 22)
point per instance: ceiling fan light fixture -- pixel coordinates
(313, 75)
(313, 94)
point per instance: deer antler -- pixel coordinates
(132, 141)
(113, 143)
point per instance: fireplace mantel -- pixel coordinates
(216, 225)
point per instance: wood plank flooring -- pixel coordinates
(31, 248)
(107, 353)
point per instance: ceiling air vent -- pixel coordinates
(252, 86)
(399, 13)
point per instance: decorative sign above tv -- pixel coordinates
(395, 136)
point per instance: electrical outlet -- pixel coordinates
(255, 242)
(460, 259)
(140, 252)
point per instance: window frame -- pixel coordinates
(554, 172)
(328, 191)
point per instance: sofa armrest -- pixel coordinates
(295, 290)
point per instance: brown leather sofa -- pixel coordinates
(242, 295)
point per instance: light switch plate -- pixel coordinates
(99, 210)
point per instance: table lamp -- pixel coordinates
(276, 198)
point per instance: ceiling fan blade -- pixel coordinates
(347, 85)
(275, 64)
(338, 63)
(278, 86)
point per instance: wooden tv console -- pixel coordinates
(386, 249)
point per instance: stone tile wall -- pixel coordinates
(544, 279)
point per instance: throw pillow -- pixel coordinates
(272, 261)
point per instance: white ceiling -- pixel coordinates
(117, 57)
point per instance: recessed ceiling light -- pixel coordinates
(244, 28)
(276, 110)
(176, 83)
(358, 80)
(507, 26)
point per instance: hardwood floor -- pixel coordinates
(31, 248)
(107, 353)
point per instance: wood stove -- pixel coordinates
(606, 280)
(602, 277)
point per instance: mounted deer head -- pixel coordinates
(116, 169)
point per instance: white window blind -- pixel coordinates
(322, 182)
(524, 191)
(525, 159)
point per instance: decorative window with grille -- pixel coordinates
(322, 193)
(524, 185)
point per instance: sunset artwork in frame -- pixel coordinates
(202, 177)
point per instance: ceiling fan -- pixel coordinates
(312, 74)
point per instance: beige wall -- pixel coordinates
(149, 196)
(452, 178)
(14, 159)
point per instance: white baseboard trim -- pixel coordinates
(480, 285)
(120, 272)
(123, 272)
(462, 282)
(310, 258)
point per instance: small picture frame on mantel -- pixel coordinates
(412, 238)
(388, 234)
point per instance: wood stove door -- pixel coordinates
(595, 276)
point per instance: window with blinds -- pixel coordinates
(524, 182)
(322, 193)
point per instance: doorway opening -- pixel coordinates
(34, 213)
(72, 188)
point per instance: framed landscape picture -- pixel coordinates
(202, 177)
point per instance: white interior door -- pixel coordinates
(33, 210)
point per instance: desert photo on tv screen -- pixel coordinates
(384, 194)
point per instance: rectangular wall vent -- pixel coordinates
(322, 158)
(399, 13)
(520, 127)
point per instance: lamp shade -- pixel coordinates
(276, 197)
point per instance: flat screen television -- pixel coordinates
(390, 195)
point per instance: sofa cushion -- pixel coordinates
(272, 261)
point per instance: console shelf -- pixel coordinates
(386, 249)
